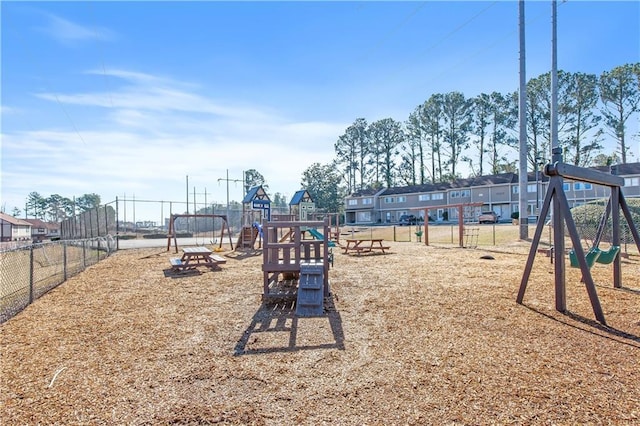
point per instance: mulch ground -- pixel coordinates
(419, 336)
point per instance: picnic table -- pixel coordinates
(362, 245)
(193, 257)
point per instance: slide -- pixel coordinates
(318, 236)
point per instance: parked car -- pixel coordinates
(407, 219)
(488, 217)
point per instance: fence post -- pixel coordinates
(31, 274)
(117, 225)
(64, 260)
(84, 255)
(106, 220)
(494, 234)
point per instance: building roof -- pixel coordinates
(368, 192)
(37, 223)
(623, 169)
(502, 178)
(301, 196)
(13, 220)
(256, 193)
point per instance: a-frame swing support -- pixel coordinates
(171, 233)
(556, 197)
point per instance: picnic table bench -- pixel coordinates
(361, 245)
(193, 257)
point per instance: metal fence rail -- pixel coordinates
(28, 272)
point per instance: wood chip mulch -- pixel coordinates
(419, 336)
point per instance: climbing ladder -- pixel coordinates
(310, 290)
(247, 238)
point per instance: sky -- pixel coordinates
(149, 99)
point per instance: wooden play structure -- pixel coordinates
(301, 205)
(334, 224)
(302, 208)
(296, 267)
(556, 201)
(464, 235)
(171, 233)
(256, 207)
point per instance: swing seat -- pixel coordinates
(607, 256)
(591, 256)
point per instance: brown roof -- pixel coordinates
(13, 220)
(37, 223)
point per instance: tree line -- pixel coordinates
(448, 131)
(56, 208)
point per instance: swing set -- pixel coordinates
(171, 234)
(556, 198)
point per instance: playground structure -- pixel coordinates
(302, 209)
(301, 205)
(334, 224)
(256, 207)
(556, 201)
(171, 233)
(296, 266)
(467, 236)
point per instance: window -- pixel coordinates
(532, 187)
(465, 193)
(437, 196)
(582, 186)
(516, 189)
(401, 199)
(424, 197)
(353, 202)
(455, 194)
(367, 201)
(565, 186)
(389, 200)
(634, 181)
(363, 217)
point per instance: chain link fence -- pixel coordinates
(29, 272)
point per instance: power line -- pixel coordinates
(392, 31)
(448, 35)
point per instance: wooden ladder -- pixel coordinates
(247, 237)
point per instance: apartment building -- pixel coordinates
(498, 193)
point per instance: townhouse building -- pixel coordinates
(42, 231)
(14, 229)
(498, 193)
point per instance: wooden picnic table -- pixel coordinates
(364, 245)
(193, 257)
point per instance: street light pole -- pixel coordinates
(228, 180)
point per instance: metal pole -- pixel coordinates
(554, 76)
(522, 117)
(227, 193)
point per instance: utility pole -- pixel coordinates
(554, 76)
(522, 116)
(228, 180)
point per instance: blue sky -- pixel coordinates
(120, 98)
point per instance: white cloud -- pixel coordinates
(68, 32)
(155, 133)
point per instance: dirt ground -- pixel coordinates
(421, 335)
